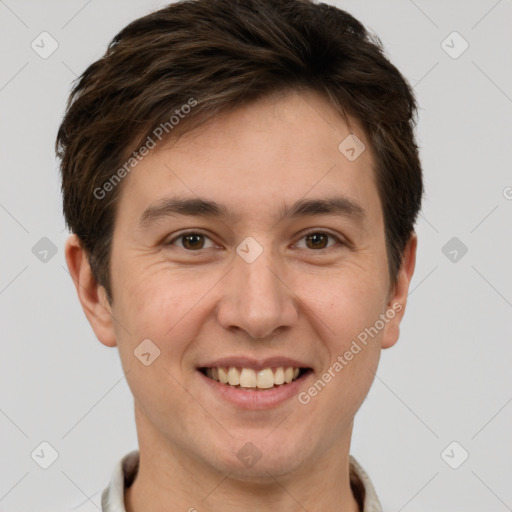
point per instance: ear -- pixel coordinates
(92, 296)
(398, 296)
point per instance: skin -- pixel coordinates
(294, 300)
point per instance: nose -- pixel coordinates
(256, 298)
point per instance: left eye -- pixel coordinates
(319, 240)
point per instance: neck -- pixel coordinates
(169, 478)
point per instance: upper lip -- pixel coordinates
(255, 364)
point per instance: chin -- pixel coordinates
(264, 459)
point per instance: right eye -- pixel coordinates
(191, 240)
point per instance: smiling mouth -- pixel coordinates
(253, 380)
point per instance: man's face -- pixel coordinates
(252, 288)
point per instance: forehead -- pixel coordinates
(258, 160)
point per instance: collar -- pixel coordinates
(125, 471)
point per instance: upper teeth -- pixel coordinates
(249, 378)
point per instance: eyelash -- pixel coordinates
(314, 232)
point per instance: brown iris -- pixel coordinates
(193, 241)
(318, 240)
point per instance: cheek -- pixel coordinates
(153, 308)
(350, 310)
(355, 307)
(168, 308)
(149, 297)
(348, 304)
(352, 334)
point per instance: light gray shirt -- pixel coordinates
(125, 471)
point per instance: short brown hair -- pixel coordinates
(217, 55)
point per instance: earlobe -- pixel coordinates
(92, 296)
(398, 298)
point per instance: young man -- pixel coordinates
(242, 181)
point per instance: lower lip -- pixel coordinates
(256, 400)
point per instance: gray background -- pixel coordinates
(448, 378)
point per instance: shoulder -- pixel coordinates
(111, 498)
(363, 487)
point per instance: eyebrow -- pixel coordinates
(198, 207)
